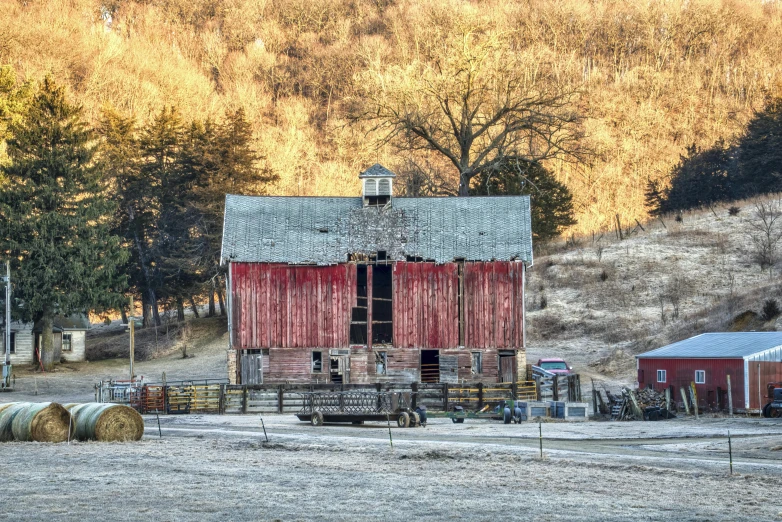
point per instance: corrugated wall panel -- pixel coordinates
(425, 305)
(681, 372)
(282, 306)
(494, 305)
(769, 372)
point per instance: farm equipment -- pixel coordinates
(506, 411)
(774, 408)
(358, 407)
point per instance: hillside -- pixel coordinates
(605, 299)
(651, 77)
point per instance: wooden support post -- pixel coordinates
(684, 400)
(414, 400)
(668, 399)
(555, 388)
(538, 396)
(221, 400)
(636, 409)
(280, 398)
(694, 400)
(730, 398)
(244, 399)
(594, 399)
(480, 395)
(445, 396)
(514, 390)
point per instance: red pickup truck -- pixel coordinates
(553, 365)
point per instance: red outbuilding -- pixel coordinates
(376, 288)
(750, 360)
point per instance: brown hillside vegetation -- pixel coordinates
(601, 300)
(652, 76)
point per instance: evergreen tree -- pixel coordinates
(760, 153)
(702, 178)
(552, 202)
(55, 218)
(13, 102)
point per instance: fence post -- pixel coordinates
(221, 400)
(280, 398)
(244, 399)
(480, 395)
(414, 400)
(730, 398)
(555, 388)
(514, 390)
(445, 396)
(538, 396)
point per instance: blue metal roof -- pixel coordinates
(730, 345)
(323, 230)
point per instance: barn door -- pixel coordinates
(507, 362)
(252, 368)
(340, 369)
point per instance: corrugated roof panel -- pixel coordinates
(325, 230)
(727, 345)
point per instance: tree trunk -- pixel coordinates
(155, 309)
(220, 299)
(180, 310)
(464, 185)
(124, 314)
(194, 307)
(211, 303)
(146, 311)
(47, 347)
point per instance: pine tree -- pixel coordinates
(552, 202)
(55, 218)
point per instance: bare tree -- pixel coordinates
(764, 229)
(475, 98)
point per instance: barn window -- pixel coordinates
(700, 377)
(661, 375)
(67, 342)
(381, 361)
(317, 362)
(477, 363)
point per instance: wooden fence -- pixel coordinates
(229, 398)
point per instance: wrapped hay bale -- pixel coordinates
(7, 414)
(106, 422)
(42, 422)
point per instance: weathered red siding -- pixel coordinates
(284, 306)
(681, 372)
(426, 305)
(494, 304)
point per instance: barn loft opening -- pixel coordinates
(358, 319)
(382, 305)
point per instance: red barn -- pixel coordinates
(376, 288)
(752, 359)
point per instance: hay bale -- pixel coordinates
(42, 422)
(106, 422)
(7, 415)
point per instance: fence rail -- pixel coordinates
(219, 397)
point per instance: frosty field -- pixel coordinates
(220, 468)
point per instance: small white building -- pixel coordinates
(69, 333)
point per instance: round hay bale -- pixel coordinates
(106, 422)
(43, 422)
(7, 415)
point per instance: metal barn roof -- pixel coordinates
(732, 345)
(324, 230)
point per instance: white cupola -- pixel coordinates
(378, 185)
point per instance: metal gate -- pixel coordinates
(252, 368)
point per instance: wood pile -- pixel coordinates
(645, 404)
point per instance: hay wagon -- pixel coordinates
(358, 407)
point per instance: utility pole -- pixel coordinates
(132, 325)
(6, 382)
